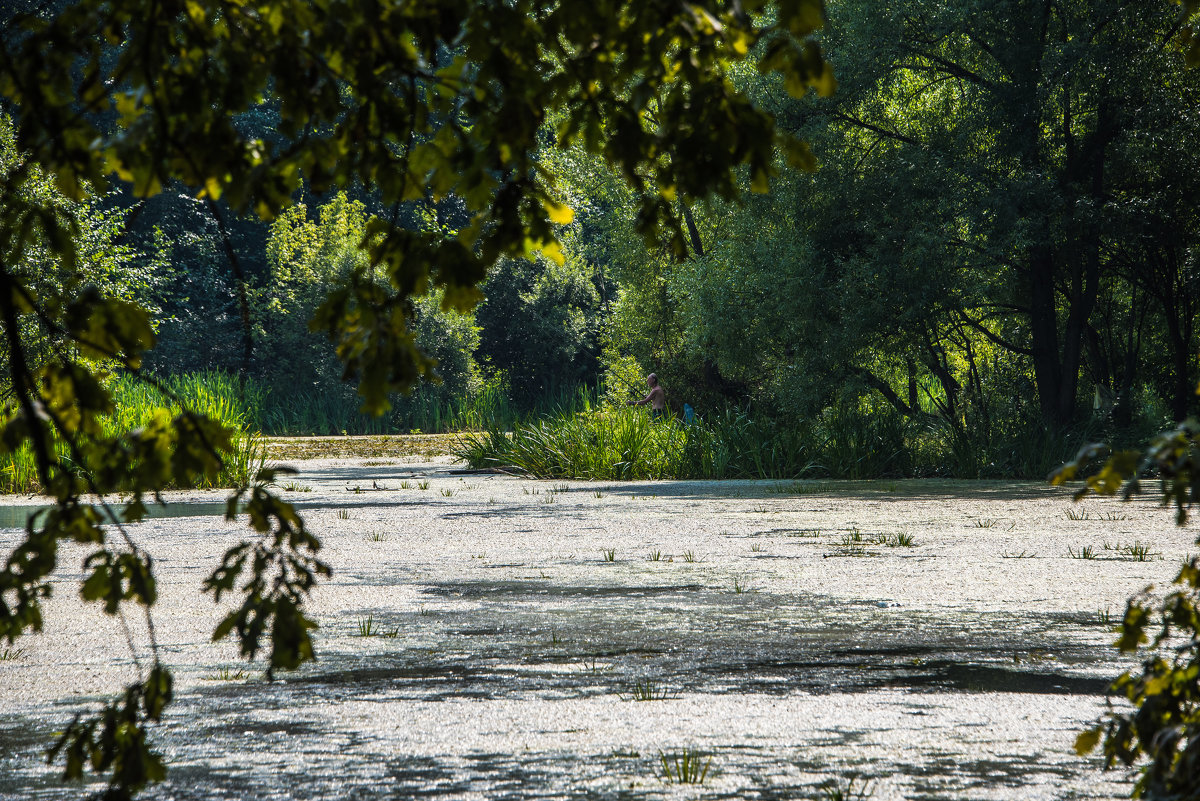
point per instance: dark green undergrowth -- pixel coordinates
(291, 411)
(569, 433)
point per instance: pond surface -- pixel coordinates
(511, 627)
(18, 516)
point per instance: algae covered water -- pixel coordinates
(488, 636)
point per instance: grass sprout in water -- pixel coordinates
(595, 667)
(1086, 552)
(227, 674)
(368, 628)
(687, 767)
(845, 789)
(610, 554)
(1135, 551)
(649, 690)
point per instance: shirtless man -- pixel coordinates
(657, 398)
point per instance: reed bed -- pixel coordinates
(627, 444)
(609, 443)
(213, 395)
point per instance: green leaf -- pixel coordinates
(1087, 740)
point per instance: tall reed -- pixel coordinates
(217, 396)
(850, 443)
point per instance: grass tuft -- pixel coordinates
(649, 690)
(687, 767)
(845, 789)
(227, 674)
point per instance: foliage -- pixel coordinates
(1163, 728)
(421, 103)
(431, 105)
(617, 443)
(992, 245)
(136, 404)
(305, 257)
(596, 444)
(538, 324)
(200, 259)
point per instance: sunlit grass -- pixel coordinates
(216, 396)
(686, 767)
(649, 690)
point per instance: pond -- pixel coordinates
(500, 637)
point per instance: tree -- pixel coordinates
(419, 101)
(994, 202)
(1163, 727)
(538, 324)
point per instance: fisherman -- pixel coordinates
(657, 398)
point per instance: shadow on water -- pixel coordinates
(496, 589)
(527, 639)
(17, 516)
(881, 490)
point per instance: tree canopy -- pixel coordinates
(429, 106)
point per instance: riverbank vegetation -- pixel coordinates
(984, 288)
(973, 249)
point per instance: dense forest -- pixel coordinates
(989, 257)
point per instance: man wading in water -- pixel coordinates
(657, 398)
